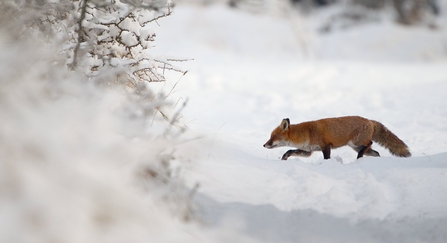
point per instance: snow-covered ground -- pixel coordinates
(250, 71)
(77, 166)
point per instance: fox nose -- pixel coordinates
(264, 145)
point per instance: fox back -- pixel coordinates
(324, 134)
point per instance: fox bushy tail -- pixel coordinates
(387, 139)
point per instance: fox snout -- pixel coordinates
(269, 144)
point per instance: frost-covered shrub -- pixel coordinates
(118, 34)
(77, 164)
(102, 36)
(80, 162)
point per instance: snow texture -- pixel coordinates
(72, 154)
(250, 71)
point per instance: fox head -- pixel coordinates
(279, 136)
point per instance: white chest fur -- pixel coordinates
(305, 146)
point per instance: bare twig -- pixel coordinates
(79, 30)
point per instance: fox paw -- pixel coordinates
(286, 156)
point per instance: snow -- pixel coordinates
(72, 153)
(128, 38)
(250, 71)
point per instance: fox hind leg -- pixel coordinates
(365, 150)
(296, 152)
(372, 152)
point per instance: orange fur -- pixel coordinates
(325, 134)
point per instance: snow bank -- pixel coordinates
(76, 160)
(80, 163)
(251, 71)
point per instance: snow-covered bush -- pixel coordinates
(414, 11)
(82, 162)
(351, 13)
(102, 36)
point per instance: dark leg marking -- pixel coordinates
(372, 152)
(364, 149)
(369, 152)
(296, 152)
(327, 151)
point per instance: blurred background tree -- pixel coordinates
(408, 12)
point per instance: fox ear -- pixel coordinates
(285, 124)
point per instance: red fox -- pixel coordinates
(325, 134)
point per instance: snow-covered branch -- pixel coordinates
(117, 34)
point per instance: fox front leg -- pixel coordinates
(327, 151)
(296, 152)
